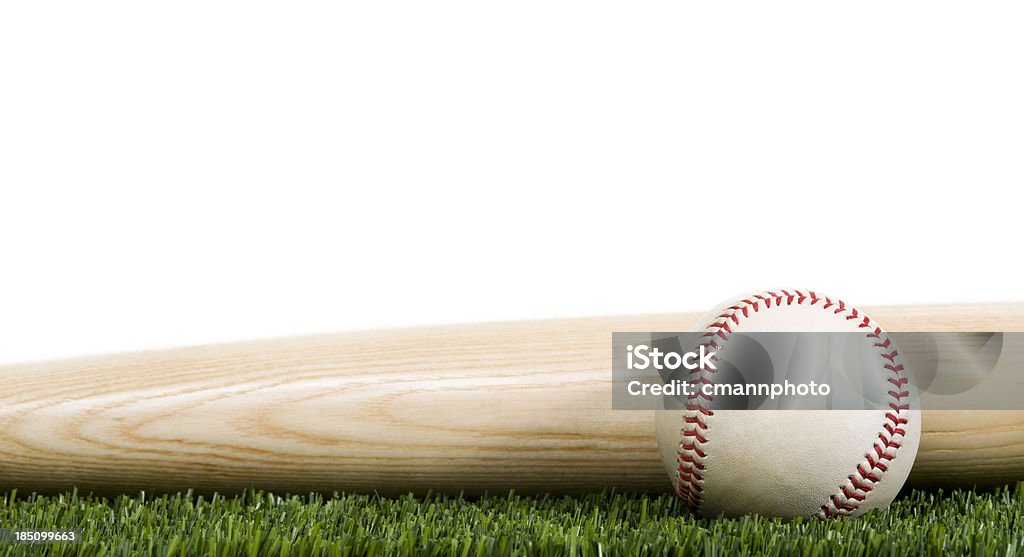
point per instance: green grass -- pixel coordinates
(960, 522)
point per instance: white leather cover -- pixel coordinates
(791, 463)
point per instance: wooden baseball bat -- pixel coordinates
(470, 408)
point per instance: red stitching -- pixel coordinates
(895, 419)
(695, 420)
(701, 409)
(851, 494)
(691, 474)
(692, 461)
(695, 434)
(842, 506)
(693, 447)
(845, 501)
(894, 430)
(867, 474)
(874, 463)
(855, 482)
(888, 442)
(720, 325)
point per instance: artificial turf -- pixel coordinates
(957, 522)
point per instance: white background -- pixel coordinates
(193, 172)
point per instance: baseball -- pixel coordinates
(792, 463)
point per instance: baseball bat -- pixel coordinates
(467, 408)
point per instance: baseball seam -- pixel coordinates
(690, 463)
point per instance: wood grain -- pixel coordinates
(473, 409)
